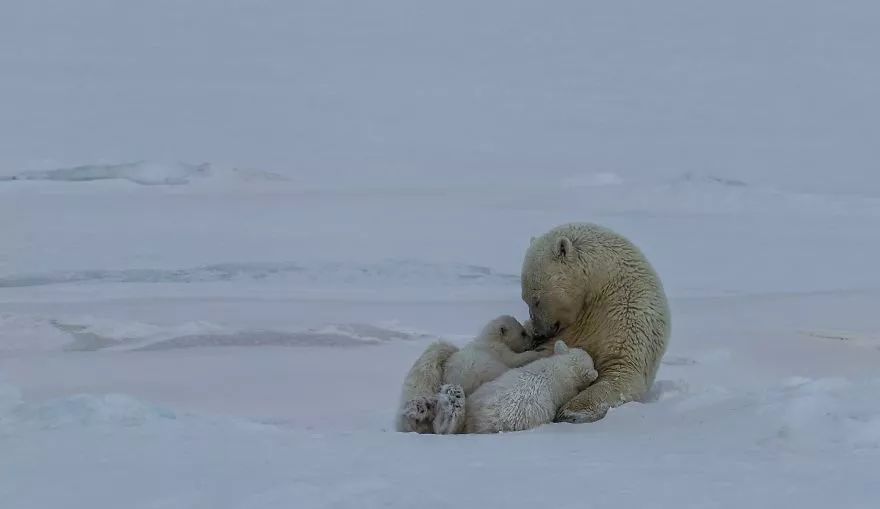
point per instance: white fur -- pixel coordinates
(418, 396)
(450, 410)
(432, 399)
(594, 289)
(529, 396)
(501, 345)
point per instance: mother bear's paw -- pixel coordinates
(577, 413)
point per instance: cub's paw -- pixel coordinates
(420, 409)
(452, 394)
(450, 410)
(545, 349)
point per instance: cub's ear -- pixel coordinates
(560, 347)
(563, 248)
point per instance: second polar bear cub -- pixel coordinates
(502, 344)
(527, 397)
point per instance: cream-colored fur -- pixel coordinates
(595, 290)
(420, 387)
(502, 344)
(529, 396)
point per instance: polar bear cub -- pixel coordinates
(529, 396)
(502, 344)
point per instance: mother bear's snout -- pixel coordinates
(543, 333)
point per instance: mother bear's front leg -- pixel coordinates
(593, 403)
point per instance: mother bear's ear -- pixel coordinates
(563, 249)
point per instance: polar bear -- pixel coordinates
(502, 344)
(594, 289)
(529, 396)
(420, 389)
(444, 375)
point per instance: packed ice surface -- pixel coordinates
(138, 172)
(229, 229)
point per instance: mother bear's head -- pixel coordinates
(553, 285)
(557, 274)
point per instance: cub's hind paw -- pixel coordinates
(453, 394)
(420, 409)
(450, 410)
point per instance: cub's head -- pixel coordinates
(554, 282)
(509, 331)
(578, 361)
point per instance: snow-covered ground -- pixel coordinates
(229, 228)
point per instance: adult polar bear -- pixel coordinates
(595, 290)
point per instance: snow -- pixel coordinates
(140, 172)
(229, 229)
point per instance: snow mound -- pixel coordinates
(717, 194)
(81, 410)
(332, 336)
(93, 334)
(91, 410)
(100, 333)
(700, 193)
(141, 172)
(30, 333)
(831, 412)
(798, 415)
(389, 271)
